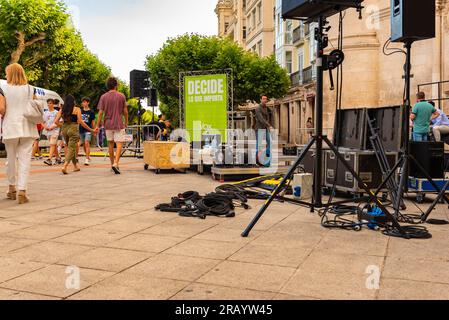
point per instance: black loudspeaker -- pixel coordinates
(412, 20)
(153, 98)
(350, 129)
(430, 155)
(294, 9)
(139, 84)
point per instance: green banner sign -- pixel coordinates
(206, 105)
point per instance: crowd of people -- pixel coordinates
(66, 126)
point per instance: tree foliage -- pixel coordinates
(252, 74)
(39, 35)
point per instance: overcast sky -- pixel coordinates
(123, 32)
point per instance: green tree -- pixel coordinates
(30, 24)
(133, 109)
(39, 35)
(252, 74)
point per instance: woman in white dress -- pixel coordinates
(18, 133)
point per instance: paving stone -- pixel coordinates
(220, 233)
(54, 280)
(11, 295)
(199, 291)
(10, 226)
(176, 228)
(12, 268)
(125, 225)
(42, 232)
(132, 287)
(107, 259)
(205, 249)
(9, 244)
(174, 267)
(250, 276)
(417, 270)
(146, 242)
(91, 237)
(38, 218)
(47, 252)
(329, 286)
(392, 289)
(273, 255)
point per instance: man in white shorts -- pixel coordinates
(113, 107)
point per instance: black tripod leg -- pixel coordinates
(278, 189)
(427, 214)
(429, 178)
(402, 187)
(389, 176)
(364, 186)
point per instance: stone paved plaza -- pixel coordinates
(106, 226)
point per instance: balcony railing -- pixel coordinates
(309, 75)
(296, 78)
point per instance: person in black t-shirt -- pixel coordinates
(88, 116)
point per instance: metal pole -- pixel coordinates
(319, 115)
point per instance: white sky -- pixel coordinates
(122, 33)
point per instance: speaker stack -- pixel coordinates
(140, 84)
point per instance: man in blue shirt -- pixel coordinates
(422, 115)
(440, 125)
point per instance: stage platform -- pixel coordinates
(236, 173)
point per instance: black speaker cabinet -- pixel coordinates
(389, 122)
(153, 98)
(294, 9)
(350, 129)
(412, 20)
(139, 84)
(365, 163)
(430, 155)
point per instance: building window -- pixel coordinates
(289, 32)
(313, 44)
(259, 48)
(289, 62)
(226, 26)
(300, 64)
(244, 33)
(259, 15)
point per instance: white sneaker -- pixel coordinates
(87, 162)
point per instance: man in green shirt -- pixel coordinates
(422, 115)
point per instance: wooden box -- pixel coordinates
(162, 155)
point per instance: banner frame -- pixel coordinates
(230, 93)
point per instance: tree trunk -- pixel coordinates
(22, 45)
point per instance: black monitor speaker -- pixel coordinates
(140, 84)
(430, 155)
(301, 9)
(412, 20)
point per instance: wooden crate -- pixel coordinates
(162, 155)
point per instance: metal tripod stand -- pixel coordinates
(407, 157)
(381, 155)
(318, 139)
